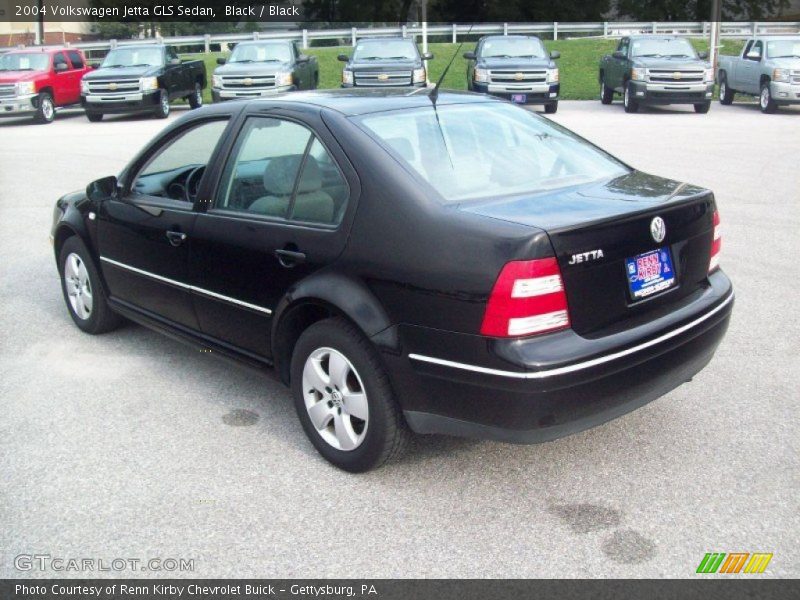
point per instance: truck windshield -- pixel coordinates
(133, 57)
(468, 151)
(33, 61)
(247, 53)
(390, 50)
(663, 48)
(512, 48)
(783, 49)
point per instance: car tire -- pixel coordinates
(163, 109)
(196, 98)
(45, 109)
(765, 100)
(631, 106)
(726, 93)
(94, 117)
(349, 415)
(702, 107)
(83, 289)
(551, 108)
(606, 93)
(316, 80)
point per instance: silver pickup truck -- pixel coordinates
(768, 67)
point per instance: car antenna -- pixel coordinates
(434, 95)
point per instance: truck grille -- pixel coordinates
(121, 86)
(675, 76)
(795, 76)
(7, 91)
(261, 82)
(514, 76)
(379, 79)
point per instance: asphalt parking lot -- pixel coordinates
(133, 445)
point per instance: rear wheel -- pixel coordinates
(162, 111)
(702, 107)
(45, 109)
(606, 93)
(94, 117)
(343, 397)
(196, 99)
(631, 106)
(551, 108)
(765, 100)
(725, 92)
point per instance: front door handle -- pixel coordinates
(290, 258)
(176, 238)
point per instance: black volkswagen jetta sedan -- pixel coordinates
(461, 266)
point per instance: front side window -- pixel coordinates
(512, 48)
(385, 50)
(663, 48)
(257, 53)
(486, 150)
(133, 57)
(24, 61)
(280, 169)
(176, 169)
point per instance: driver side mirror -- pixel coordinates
(619, 54)
(754, 55)
(427, 56)
(221, 61)
(60, 67)
(343, 58)
(469, 55)
(102, 189)
(303, 58)
(555, 54)
(175, 61)
(702, 55)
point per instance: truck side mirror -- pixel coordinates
(469, 55)
(754, 55)
(427, 56)
(555, 54)
(702, 55)
(174, 61)
(221, 61)
(60, 67)
(303, 58)
(343, 58)
(102, 189)
(619, 54)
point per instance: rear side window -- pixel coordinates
(75, 59)
(280, 169)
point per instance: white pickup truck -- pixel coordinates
(768, 67)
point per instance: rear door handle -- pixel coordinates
(176, 238)
(290, 258)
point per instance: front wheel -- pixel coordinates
(606, 93)
(45, 109)
(162, 111)
(702, 107)
(551, 108)
(725, 91)
(94, 117)
(765, 100)
(631, 106)
(343, 397)
(196, 99)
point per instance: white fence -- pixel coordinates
(609, 29)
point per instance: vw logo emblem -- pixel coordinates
(658, 229)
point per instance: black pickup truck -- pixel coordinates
(142, 78)
(385, 62)
(657, 69)
(514, 67)
(261, 68)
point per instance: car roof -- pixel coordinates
(385, 39)
(656, 36)
(40, 49)
(785, 37)
(505, 37)
(257, 42)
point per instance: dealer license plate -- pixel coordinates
(519, 98)
(650, 273)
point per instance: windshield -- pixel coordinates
(784, 49)
(388, 50)
(34, 61)
(245, 53)
(664, 48)
(133, 57)
(492, 149)
(512, 48)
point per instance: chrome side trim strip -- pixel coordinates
(186, 286)
(577, 366)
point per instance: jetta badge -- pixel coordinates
(658, 229)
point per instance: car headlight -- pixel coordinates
(709, 75)
(419, 75)
(147, 84)
(284, 78)
(481, 75)
(782, 75)
(347, 77)
(552, 75)
(638, 74)
(84, 87)
(25, 88)
(216, 81)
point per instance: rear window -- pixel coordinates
(469, 151)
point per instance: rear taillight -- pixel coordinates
(716, 245)
(528, 297)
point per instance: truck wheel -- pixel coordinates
(196, 99)
(94, 117)
(725, 92)
(631, 106)
(316, 80)
(551, 108)
(702, 108)
(343, 397)
(162, 112)
(765, 101)
(606, 93)
(45, 110)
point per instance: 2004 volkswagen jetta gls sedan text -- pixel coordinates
(452, 265)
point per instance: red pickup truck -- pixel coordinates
(37, 80)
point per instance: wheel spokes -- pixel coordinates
(320, 414)
(315, 377)
(338, 370)
(343, 429)
(355, 403)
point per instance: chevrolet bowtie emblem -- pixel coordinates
(676, 75)
(112, 86)
(247, 81)
(383, 77)
(518, 76)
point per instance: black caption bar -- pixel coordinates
(385, 589)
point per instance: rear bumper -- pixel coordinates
(534, 94)
(542, 388)
(785, 93)
(665, 93)
(16, 105)
(121, 103)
